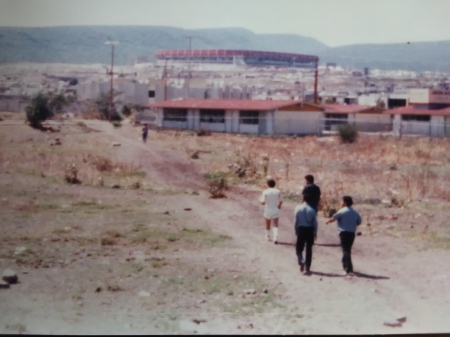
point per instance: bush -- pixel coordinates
(217, 184)
(39, 110)
(347, 133)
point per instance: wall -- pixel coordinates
(298, 122)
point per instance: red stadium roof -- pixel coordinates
(410, 110)
(225, 104)
(162, 54)
(349, 109)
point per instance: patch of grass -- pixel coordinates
(187, 238)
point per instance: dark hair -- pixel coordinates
(271, 183)
(348, 200)
(310, 179)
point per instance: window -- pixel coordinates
(175, 115)
(334, 119)
(151, 93)
(249, 117)
(212, 116)
(416, 118)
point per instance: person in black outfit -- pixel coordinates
(312, 191)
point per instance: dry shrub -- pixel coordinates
(217, 184)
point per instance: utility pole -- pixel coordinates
(111, 72)
(189, 64)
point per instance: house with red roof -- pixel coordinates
(428, 114)
(266, 116)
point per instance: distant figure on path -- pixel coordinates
(271, 199)
(313, 191)
(305, 225)
(348, 219)
(144, 133)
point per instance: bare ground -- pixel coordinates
(166, 258)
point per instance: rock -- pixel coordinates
(198, 321)
(250, 291)
(116, 144)
(115, 186)
(393, 325)
(99, 289)
(144, 294)
(188, 209)
(359, 233)
(195, 155)
(265, 291)
(191, 326)
(4, 285)
(166, 212)
(401, 319)
(20, 250)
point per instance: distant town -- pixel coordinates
(222, 90)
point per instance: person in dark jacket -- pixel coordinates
(313, 192)
(305, 225)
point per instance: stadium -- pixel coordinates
(239, 57)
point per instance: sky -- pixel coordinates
(333, 22)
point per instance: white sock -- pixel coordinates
(275, 233)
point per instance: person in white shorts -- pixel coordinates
(271, 199)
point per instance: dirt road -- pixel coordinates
(395, 280)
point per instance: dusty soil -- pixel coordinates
(166, 258)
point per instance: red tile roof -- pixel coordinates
(347, 109)
(225, 104)
(410, 110)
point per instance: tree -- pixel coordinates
(39, 110)
(347, 133)
(126, 111)
(102, 104)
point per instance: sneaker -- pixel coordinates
(351, 274)
(275, 242)
(267, 238)
(302, 267)
(307, 272)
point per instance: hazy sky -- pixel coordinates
(333, 22)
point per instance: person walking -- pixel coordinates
(144, 133)
(313, 191)
(305, 225)
(347, 221)
(271, 199)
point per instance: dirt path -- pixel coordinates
(393, 278)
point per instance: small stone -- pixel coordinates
(20, 250)
(4, 285)
(99, 289)
(115, 186)
(198, 321)
(166, 212)
(116, 144)
(250, 291)
(401, 319)
(10, 276)
(188, 209)
(265, 291)
(359, 233)
(144, 294)
(393, 325)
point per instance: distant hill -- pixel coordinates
(85, 44)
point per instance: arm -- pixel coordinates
(262, 198)
(280, 201)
